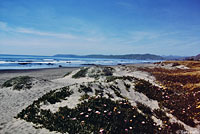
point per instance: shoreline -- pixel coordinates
(78, 66)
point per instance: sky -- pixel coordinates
(48, 27)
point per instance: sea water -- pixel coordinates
(38, 62)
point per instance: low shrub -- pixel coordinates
(93, 116)
(81, 73)
(19, 83)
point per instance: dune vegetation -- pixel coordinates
(19, 83)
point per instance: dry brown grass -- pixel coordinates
(186, 78)
(190, 64)
(185, 83)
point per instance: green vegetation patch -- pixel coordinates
(161, 115)
(85, 89)
(84, 97)
(127, 86)
(107, 71)
(67, 74)
(144, 108)
(149, 90)
(56, 96)
(95, 115)
(81, 73)
(19, 83)
(100, 71)
(116, 91)
(111, 78)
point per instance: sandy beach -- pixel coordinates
(49, 74)
(96, 78)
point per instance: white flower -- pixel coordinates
(97, 112)
(73, 119)
(101, 130)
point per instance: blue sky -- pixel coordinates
(48, 27)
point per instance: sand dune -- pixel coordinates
(117, 83)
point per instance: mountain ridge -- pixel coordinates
(126, 56)
(196, 58)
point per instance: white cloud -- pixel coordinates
(125, 4)
(138, 36)
(5, 27)
(87, 33)
(41, 33)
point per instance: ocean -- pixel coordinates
(39, 62)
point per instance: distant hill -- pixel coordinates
(127, 56)
(197, 58)
(173, 57)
